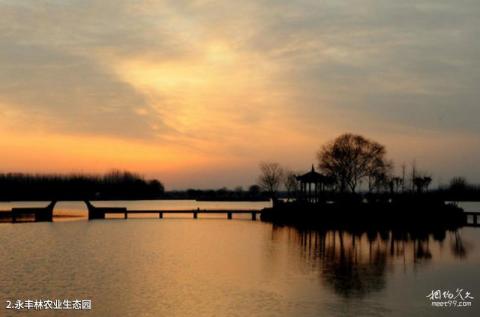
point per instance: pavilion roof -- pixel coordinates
(312, 177)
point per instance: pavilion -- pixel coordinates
(312, 186)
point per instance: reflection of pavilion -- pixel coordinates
(312, 186)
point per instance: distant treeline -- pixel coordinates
(253, 193)
(459, 190)
(112, 185)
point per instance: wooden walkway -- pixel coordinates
(100, 212)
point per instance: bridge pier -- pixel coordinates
(229, 215)
(254, 216)
(126, 215)
(160, 215)
(47, 214)
(44, 216)
(93, 214)
(39, 213)
(99, 212)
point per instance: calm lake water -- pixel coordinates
(219, 267)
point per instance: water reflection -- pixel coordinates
(354, 263)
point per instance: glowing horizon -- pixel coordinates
(197, 93)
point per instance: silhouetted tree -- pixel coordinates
(379, 177)
(458, 184)
(156, 185)
(460, 189)
(421, 183)
(270, 179)
(291, 184)
(396, 184)
(350, 158)
(458, 246)
(222, 192)
(254, 190)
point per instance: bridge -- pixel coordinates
(46, 213)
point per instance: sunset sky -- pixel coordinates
(197, 93)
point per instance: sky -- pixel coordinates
(197, 93)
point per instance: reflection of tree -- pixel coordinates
(421, 250)
(458, 247)
(355, 263)
(349, 274)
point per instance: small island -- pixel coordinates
(357, 187)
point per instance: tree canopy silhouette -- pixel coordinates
(290, 183)
(270, 178)
(351, 158)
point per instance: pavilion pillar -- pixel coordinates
(304, 191)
